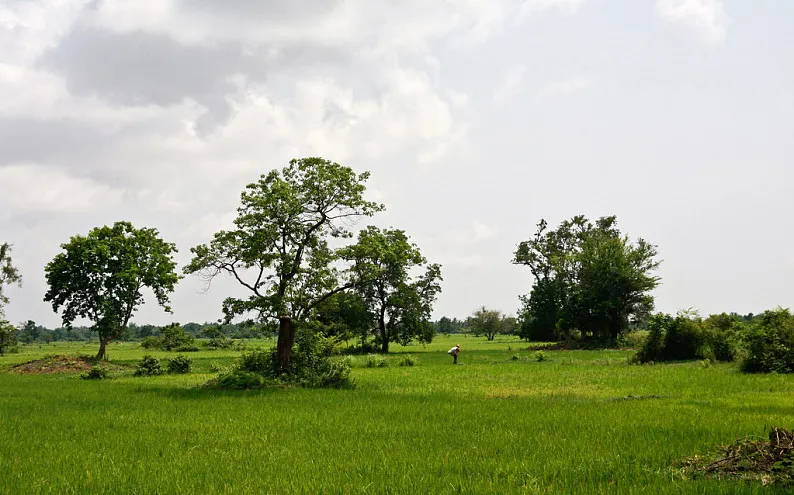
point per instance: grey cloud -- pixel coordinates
(47, 141)
(274, 11)
(140, 68)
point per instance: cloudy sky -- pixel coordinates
(477, 118)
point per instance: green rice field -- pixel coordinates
(579, 422)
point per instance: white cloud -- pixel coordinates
(566, 86)
(476, 232)
(511, 85)
(535, 6)
(708, 18)
(36, 189)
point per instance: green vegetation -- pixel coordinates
(578, 422)
(590, 281)
(100, 277)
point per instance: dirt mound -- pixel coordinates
(55, 364)
(770, 461)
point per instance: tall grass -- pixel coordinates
(582, 422)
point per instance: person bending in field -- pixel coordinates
(454, 353)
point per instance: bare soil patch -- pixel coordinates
(58, 364)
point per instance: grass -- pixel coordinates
(582, 422)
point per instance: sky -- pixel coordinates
(476, 119)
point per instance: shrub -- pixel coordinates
(149, 366)
(375, 361)
(180, 364)
(152, 343)
(684, 337)
(220, 343)
(311, 366)
(175, 338)
(95, 373)
(632, 340)
(239, 380)
(516, 357)
(540, 356)
(408, 360)
(257, 361)
(770, 343)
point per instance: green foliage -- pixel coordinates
(487, 322)
(239, 380)
(100, 277)
(9, 274)
(376, 361)
(174, 338)
(688, 337)
(149, 366)
(95, 373)
(384, 261)
(588, 277)
(180, 364)
(770, 343)
(311, 365)
(152, 343)
(217, 339)
(342, 317)
(540, 356)
(8, 336)
(408, 360)
(257, 361)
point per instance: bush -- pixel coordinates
(175, 338)
(408, 360)
(180, 364)
(375, 361)
(632, 340)
(516, 357)
(258, 361)
(686, 337)
(239, 380)
(152, 343)
(311, 366)
(541, 356)
(95, 373)
(770, 343)
(149, 366)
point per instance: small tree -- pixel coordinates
(100, 277)
(487, 322)
(9, 275)
(383, 262)
(7, 336)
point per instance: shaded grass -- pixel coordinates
(489, 425)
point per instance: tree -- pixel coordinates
(29, 332)
(486, 322)
(588, 277)
(343, 316)
(8, 274)
(279, 248)
(7, 336)
(383, 263)
(101, 276)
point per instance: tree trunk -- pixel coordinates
(286, 337)
(384, 337)
(102, 354)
